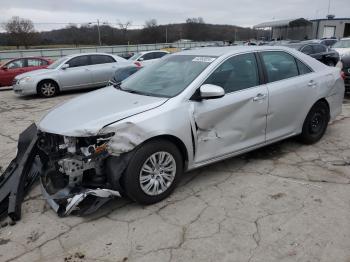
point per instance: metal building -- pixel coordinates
(302, 29)
(296, 29)
(331, 27)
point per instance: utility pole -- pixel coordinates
(166, 34)
(99, 33)
(329, 7)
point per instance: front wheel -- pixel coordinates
(47, 89)
(153, 172)
(315, 124)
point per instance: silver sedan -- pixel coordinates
(68, 73)
(189, 110)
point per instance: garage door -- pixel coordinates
(329, 31)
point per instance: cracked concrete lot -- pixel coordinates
(286, 202)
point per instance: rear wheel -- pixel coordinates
(315, 124)
(47, 89)
(153, 172)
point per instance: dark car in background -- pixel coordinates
(122, 74)
(345, 65)
(318, 51)
(329, 42)
(12, 68)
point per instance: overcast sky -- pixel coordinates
(234, 12)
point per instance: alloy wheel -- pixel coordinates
(157, 173)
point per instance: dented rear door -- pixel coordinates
(236, 121)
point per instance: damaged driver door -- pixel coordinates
(237, 120)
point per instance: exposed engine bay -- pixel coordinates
(77, 174)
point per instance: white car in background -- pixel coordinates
(342, 47)
(147, 58)
(78, 71)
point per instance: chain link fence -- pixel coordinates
(121, 50)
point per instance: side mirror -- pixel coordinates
(209, 91)
(140, 59)
(65, 66)
(4, 68)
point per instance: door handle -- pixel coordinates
(259, 97)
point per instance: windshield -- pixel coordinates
(57, 63)
(134, 57)
(169, 77)
(342, 44)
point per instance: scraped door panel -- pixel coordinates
(232, 123)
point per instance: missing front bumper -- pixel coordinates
(87, 201)
(25, 169)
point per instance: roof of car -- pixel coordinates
(74, 55)
(220, 51)
(146, 52)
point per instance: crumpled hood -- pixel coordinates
(86, 115)
(34, 73)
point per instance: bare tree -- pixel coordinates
(20, 30)
(124, 28)
(151, 23)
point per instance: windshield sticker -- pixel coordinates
(203, 59)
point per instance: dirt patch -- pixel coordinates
(277, 196)
(76, 257)
(4, 241)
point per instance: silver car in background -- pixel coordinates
(71, 72)
(188, 110)
(147, 58)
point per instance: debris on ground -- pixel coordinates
(277, 196)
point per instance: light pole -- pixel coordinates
(166, 34)
(98, 30)
(99, 33)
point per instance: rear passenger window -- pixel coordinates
(279, 65)
(303, 69)
(101, 59)
(236, 73)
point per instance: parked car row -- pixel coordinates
(70, 72)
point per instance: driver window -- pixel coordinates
(236, 73)
(79, 61)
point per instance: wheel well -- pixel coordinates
(47, 80)
(177, 142)
(324, 100)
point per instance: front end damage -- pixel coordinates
(77, 174)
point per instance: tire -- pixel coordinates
(47, 89)
(137, 171)
(315, 124)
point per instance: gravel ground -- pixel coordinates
(285, 202)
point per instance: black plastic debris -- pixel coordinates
(20, 175)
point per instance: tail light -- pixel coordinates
(342, 74)
(137, 64)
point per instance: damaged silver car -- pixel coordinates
(190, 109)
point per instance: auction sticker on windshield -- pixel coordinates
(204, 59)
